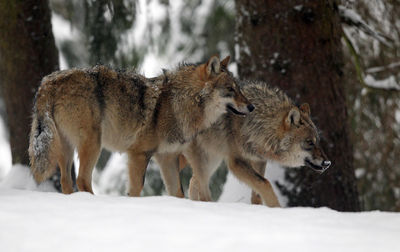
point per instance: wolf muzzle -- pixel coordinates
(320, 168)
(241, 111)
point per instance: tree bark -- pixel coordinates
(296, 46)
(27, 53)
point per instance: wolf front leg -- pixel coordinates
(169, 166)
(137, 164)
(260, 168)
(244, 172)
(202, 170)
(199, 188)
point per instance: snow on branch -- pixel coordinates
(389, 83)
(351, 18)
(382, 68)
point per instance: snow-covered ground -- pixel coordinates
(48, 221)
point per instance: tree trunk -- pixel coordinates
(27, 53)
(296, 46)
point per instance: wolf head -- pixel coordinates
(222, 88)
(300, 141)
(280, 131)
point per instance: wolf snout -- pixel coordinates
(241, 110)
(318, 166)
(325, 164)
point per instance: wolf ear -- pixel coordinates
(225, 62)
(213, 66)
(305, 108)
(293, 117)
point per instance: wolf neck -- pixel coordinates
(262, 130)
(190, 109)
(256, 141)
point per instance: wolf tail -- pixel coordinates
(44, 145)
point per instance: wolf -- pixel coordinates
(277, 130)
(88, 109)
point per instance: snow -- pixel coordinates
(236, 191)
(114, 178)
(43, 221)
(20, 177)
(352, 18)
(63, 31)
(382, 68)
(149, 16)
(388, 83)
(397, 116)
(5, 151)
(359, 172)
(298, 7)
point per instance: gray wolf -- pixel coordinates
(277, 130)
(87, 109)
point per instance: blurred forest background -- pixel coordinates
(342, 57)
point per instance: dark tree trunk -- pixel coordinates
(27, 53)
(296, 46)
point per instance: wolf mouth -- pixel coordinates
(316, 168)
(233, 110)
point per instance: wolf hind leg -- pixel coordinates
(65, 160)
(137, 163)
(88, 152)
